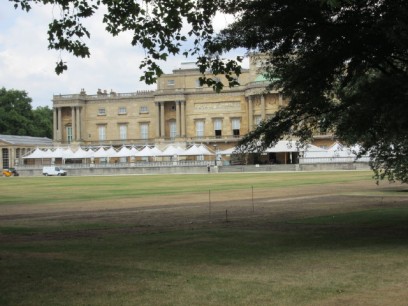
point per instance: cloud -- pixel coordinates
(27, 64)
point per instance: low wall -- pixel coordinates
(81, 171)
(334, 166)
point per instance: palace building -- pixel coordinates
(178, 111)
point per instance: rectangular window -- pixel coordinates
(101, 111)
(173, 129)
(199, 125)
(102, 132)
(123, 131)
(236, 125)
(218, 127)
(6, 160)
(144, 131)
(69, 134)
(197, 84)
(122, 111)
(257, 120)
(143, 110)
(170, 82)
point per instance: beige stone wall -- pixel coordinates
(179, 88)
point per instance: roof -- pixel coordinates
(26, 140)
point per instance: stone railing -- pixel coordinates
(104, 95)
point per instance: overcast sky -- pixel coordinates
(27, 64)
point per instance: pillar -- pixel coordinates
(157, 119)
(178, 119)
(183, 118)
(263, 109)
(162, 131)
(78, 123)
(12, 157)
(73, 123)
(54, 124)
(250, 114)
(59, 133)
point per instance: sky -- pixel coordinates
(27, 64)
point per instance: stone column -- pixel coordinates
(162, 130)
(280, 100)
(59, 133)
(178, 119)
(183, 118)
(54, 122)
(250, 114)
(263, 109)
(78, 123)
(73, 123)
(157, 119)
(11, 157)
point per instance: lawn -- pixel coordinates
(306, 238)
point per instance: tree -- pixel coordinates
(42, 116)
(342, 64)
(18, 118)
(15, 112)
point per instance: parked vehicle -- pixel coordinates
(52, 170)
(10, 172)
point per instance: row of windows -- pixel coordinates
(123, 111)
(235, 125)
(144, 129)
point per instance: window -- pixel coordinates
(236, 125)
(122, 110)
(102, 132)
(197, 83)
(101, 111)
(218, 127)
(257, 120)
(170, 82)
(69, 134)
(144, 131)
(6, 160)
(143, 110)
(173, 129)
(123, 131)
(199, 125)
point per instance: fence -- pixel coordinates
(327, 160)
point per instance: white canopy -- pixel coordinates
(284, 146)
(227, 151)
(171, 151)
(37, 153)
(48, 153)
(197, 150)
(148, 152)
(123, 152)
(102, 153)
(204, 150)
(155, 151)
(81, 153)
(313, 151)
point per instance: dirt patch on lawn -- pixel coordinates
(241, 208)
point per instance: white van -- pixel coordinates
(52, 170)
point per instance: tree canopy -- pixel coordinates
(18, 118)
(342, 64)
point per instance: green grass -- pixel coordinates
(354, 257)
(35, 190)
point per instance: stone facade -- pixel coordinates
(13, 148)
(179, 111)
